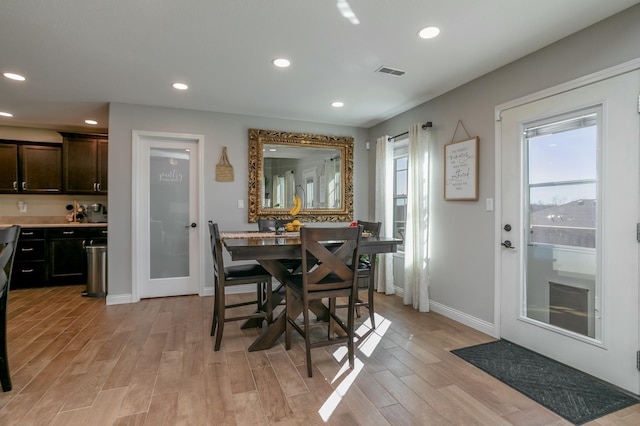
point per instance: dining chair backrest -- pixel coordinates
(216, 249)
(8, 242)
(372, 227)
(329, 257)
(270, 225)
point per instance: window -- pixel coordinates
(400, 185)
(562, 180)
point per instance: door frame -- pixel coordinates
(605, 74)
(137, 137)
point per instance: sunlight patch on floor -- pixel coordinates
(366, 346)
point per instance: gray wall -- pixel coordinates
(220, 198)
(462, 232)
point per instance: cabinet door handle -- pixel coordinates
(67, 232)
(27, 233)
(98, 186)
(24, 186)
(27, 271)
(95, 187)
(15, 185)
(27, 249)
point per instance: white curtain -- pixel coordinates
(416, 243)
(384, 211)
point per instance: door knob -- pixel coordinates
(193, 225)
(507, 227)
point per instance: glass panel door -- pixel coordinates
(561, 201)
(166, 237)
(169, 212)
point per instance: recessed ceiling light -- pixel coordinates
(180, 86)
(429, 32)
(6, 114)
(92, 122)
(345, 10)
(337, 104)
(281, 62)
(13, 76)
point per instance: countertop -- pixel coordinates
(56, 225)
(45, 222)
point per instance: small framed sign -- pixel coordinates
(461, 170)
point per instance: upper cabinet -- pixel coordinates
(8, 167)
(30, 168)
(85, 164)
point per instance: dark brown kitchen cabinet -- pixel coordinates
(8, 167)
(85, 164)
(30, 168)
(30, 260)
(54, 256)
(67, 255)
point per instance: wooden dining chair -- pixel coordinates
(329, 270)
(235, 275)
(8, 242)
(366, 272)
(271, 225)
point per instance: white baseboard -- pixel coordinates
(466, 319)
(119, 299)
(207, 291)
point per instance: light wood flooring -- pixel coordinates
(75, 361)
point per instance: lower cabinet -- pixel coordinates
(67, 260)
(53, 256)
(29, 263)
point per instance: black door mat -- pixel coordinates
(571, 394)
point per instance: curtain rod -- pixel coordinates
(425, 126)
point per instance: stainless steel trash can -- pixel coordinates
(96, 271)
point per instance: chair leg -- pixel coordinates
(259, 293)
(214, 321)
(221, 314)
(307, 336)
(370, 300)
(5, 377)
(351, 331)
(332, 312)
(269, 303)
(287, 330)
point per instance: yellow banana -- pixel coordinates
(297, 205)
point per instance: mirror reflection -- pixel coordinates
(314, 174)
(317, 169)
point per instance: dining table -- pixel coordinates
(270, 250)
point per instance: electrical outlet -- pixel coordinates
(241, 204)
(22, 207)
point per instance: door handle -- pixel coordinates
(507, 244)
(193, 225)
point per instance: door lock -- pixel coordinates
(507, 227)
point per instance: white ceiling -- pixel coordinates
(78, 55)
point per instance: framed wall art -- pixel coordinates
(461, 170)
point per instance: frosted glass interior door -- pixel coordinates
(168, 216)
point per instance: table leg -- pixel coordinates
(272, 332)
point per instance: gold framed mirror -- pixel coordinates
(317, 168)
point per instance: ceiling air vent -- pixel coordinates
(392, 71)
